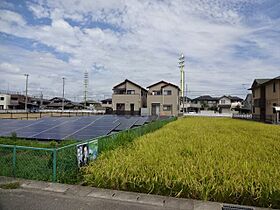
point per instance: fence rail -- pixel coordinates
(61, 164)
(242, 116)
(22, 115)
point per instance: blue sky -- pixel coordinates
(227, 44)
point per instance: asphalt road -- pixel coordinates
(22, 199)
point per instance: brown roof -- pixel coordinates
(126, 80)
(166, 84)
(157, 83)
(259, 82)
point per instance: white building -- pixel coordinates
(5, 101)
(229, 104)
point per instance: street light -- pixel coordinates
(63, 84)
(26, 86)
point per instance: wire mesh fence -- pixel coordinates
(61, 164)
(26, 162)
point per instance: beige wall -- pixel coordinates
(272, 97)
(156, 87)
(130, 86)
(257, 92)
(128, 99)
(226, 100)
(164, 100)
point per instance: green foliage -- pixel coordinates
(14, 136)
(213, 159)
(12, 185)
(37, 162)
(33, 143)
(124, 138)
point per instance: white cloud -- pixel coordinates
(9, 68)
(11, 17)
(38, 10)
(149, 37)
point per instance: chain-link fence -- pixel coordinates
(27, 162)
(61, 164)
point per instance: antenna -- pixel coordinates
(86, 87)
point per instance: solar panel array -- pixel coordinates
(77, 128)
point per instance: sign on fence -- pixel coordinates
(87, 152)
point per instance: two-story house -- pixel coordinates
(206, 102)
(229, 104)
(163, 99)
(266, 100)
(128, 98)
(188, 105)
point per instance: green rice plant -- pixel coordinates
(125, 137)
(215, 159)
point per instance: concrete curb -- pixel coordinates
(123, 196)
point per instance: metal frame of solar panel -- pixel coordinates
(62, 128)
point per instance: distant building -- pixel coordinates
(163, 99)
(266, 100)
(188, 105)
(229, 104)
(206, 102)
(56, 103)
(107, 104)
(5, 101)
(128, 98)
(246, 107)
(16, 101)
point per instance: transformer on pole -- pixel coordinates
(86, 87)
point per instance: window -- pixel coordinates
(254, 109)
(1, 98)
(253, 91)
(274, 87)
(130, 92)
(223, 101)
(167, 92)
(156, 92)
(167, 107)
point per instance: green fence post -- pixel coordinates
(54, 165)
(14, 160)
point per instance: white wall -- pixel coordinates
(5, 101)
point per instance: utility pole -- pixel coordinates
(26, 86)
(86, 88)
(182, 81)
(63, 84)
(41, 100)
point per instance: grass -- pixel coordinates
(224, 160)
(34, 143)
(38, 164)
(12, 185)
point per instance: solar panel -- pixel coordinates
(125, 123)
(141, 121)
(79, 128)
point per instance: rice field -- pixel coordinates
(225, 160)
